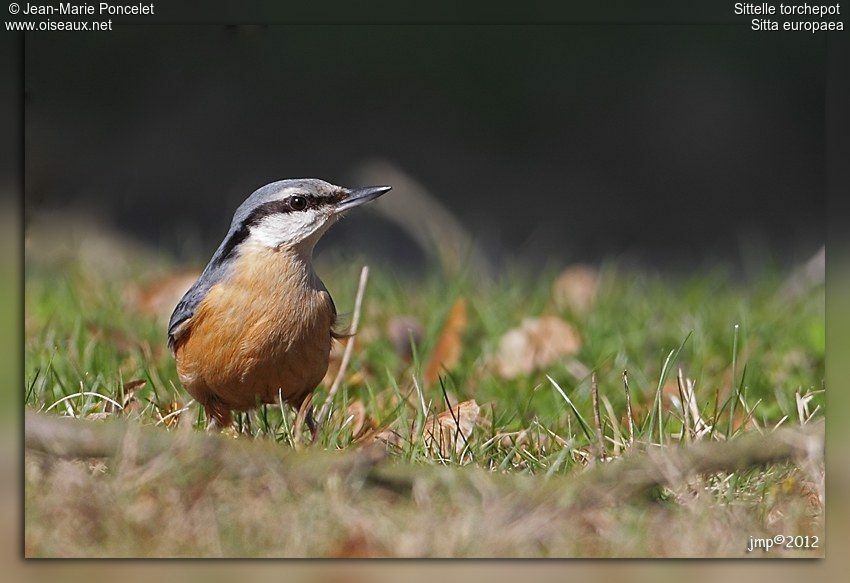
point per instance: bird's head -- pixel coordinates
(288, 214)
(296, 213)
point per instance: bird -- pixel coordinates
(257, 325)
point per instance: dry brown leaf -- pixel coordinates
(132, 386)
(99, 416)
(670, 395)
(386, 436)
(361, 422)
(129, 402)
(442, 433)
(535, 344)
(451, 429)
(158, 296)
(357, 411)
(449, 347)
(576, 288)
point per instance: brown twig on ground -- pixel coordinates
(349, 347)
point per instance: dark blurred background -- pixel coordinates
(667, 146)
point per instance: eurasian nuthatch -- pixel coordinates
(258, 323)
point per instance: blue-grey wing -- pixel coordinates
(184, 311)
(212, 274)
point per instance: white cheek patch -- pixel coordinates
(287, 228)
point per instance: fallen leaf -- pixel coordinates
(670, 399)
(442, 433)
(576, 288)
(537, 343)
(361, 422)
(129, 402)
(451, 429)
(98, 416)
(386, 436)
(132, 386)
(449, 347)
(159, 296)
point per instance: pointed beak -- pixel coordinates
(360, 196)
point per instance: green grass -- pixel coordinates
(731, 338)
(751, 355)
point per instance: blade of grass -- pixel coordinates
(31, 387)
(629, 407)
(686, 426)
(657, 412)
(730, 397)
(734, 376)
(584, 426)
(597, 418)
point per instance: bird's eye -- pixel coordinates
(297, 203)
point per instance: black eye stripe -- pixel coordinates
(277, 207)
(267, 209)
(284, 206)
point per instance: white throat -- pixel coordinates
(297, 230)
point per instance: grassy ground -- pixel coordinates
(747, 358)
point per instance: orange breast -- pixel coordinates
(265, 329)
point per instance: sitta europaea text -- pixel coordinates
(258, 323)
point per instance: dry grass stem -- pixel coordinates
(629, 414)
(597, 417)
(686, 425)
(349, 347)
